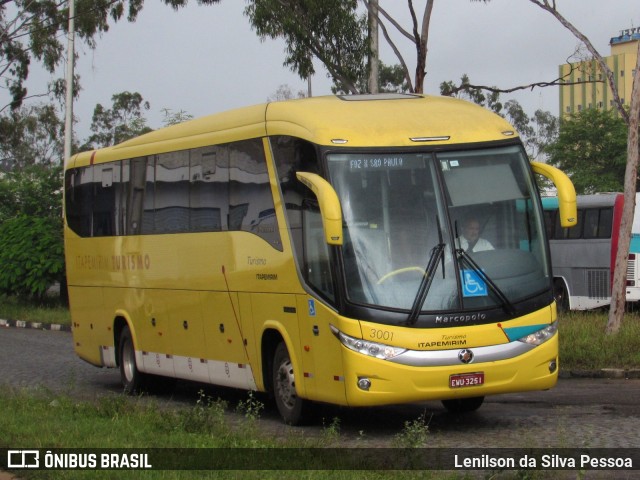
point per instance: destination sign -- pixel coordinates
(363, 162)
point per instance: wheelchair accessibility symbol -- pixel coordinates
(472, 284)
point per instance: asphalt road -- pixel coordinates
(594, 413)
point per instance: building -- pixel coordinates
(588, 85)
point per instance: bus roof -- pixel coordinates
(394, 120)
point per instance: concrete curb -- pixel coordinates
(35, 325)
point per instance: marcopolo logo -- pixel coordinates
(23, 459)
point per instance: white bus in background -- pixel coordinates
(583, 257)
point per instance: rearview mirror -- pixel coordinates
(566, 192)
(330, 209)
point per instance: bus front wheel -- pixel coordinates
(290, 405)
(463, 405)
(129, 374)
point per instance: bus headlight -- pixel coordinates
(365, 347)
(541, 336)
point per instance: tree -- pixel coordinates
(30, 135)
(391, 79)
(123, 121)
(472, 93)
(536, 132)
(631, 118)
(173, 118)
(419, 36)
(330, 30)
(592, 149)
(284, 92)
(31, 230)
(32, 30)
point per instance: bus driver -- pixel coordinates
(471, 240)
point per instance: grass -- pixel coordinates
(49, 311)
(133, 423)
(584, 345)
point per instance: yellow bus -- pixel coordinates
(317, 249)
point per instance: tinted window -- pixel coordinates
(172, 192)
(208, 189)
(251, 206)
(208, 196)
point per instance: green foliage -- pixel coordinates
(592, 149)
(48, 311)
(31, 256)
(34, 191)
(32, 30)
(536, 132)
(414, 434)
(392, 79)
(477, 95)
(31, 135)
(583, 344)
(206, 417)
(330, 30)
(123, 121)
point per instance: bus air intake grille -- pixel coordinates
(598, 284)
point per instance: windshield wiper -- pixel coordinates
(466, 258)
(425, 283)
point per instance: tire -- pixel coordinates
(561, 296)
(463, 405)
(132, 379)
(292, 408)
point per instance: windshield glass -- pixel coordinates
(440, 231)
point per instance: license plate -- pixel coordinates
(466, 380)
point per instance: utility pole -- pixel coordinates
(373, 41)
(68, 122)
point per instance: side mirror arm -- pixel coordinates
(566, 192)
(330, 209)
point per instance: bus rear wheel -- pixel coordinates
(463, 405)
(292, 408)
(130, 376)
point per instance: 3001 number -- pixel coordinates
(381, 334)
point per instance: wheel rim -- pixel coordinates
(128, 361)
(285, 384)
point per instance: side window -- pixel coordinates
(251, 206)
(605, 223)
(590, 227)
(135, 196)
(569, 233)
(549, 223)
(148, 204)
(106, 181)
(78, 199)
(172, 192)
(293, 155)
(208, 194)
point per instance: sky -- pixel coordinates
(207, 59)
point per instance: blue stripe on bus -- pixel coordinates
(550, 203)
(514, 333)
(635, 243)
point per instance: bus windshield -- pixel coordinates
(440, 231)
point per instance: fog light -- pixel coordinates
(364, 384)
(553, 365)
